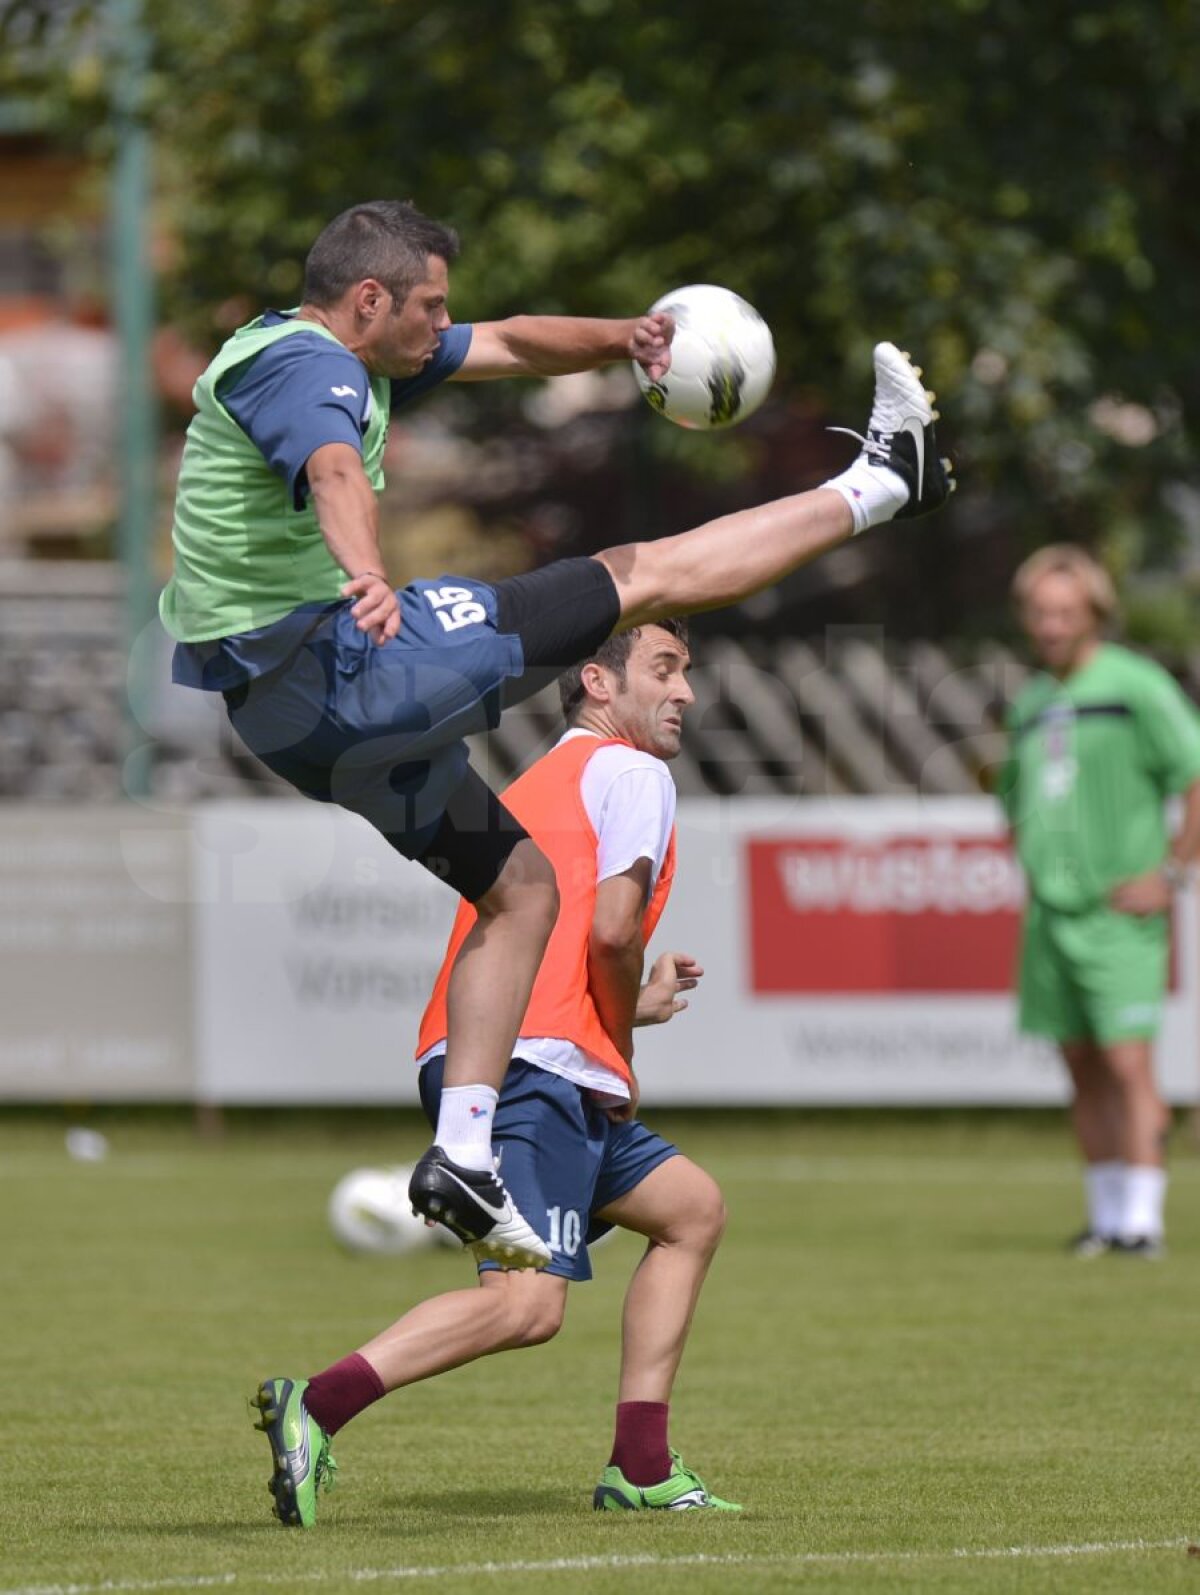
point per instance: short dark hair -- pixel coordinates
(388, 239)
(613, 653)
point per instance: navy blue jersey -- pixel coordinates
(297, 395)
(304, 392)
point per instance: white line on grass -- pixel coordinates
(917, 1170)
(589, 1564)
(913, 1171)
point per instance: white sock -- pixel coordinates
(1105, 1183)
(873, 493)
(464, 1126)
(1145, 1193)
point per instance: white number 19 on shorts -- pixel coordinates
(455, 607)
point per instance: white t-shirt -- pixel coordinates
(629, 797)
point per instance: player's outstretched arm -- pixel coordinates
(554, 346)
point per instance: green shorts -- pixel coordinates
(1097, 975)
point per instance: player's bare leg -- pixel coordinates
(678, 1207)
(301, 1416)
(898, 473)
(1144, 1117)
(1130, 1066)
(1095, 1120)
(494, 972)
(726, 560)
(455, 1183)
(1095, 1115)
(1120, 1122)
(508, 1310)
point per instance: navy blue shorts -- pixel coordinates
(379, 730)
(561, 1159)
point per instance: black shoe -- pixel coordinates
(1149, 1247)
(475, 1206)
(1090, 1244)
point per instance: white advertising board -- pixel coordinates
(316, 949)
(855, 952)
(95, 955)
(863, 952)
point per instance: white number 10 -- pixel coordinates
(565, 1230)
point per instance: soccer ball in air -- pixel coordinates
(369, 1211)
(722, 359)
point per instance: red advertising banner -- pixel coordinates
(833, 914)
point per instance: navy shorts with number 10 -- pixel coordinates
(561, 1160)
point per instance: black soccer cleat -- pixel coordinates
(474, 1205)
(1151, 1248)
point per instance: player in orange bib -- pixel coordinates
(601, 806)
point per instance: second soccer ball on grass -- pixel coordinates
(722, 359)
(369, 1211)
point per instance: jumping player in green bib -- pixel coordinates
(361, 694)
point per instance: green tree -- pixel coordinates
(1008, 182)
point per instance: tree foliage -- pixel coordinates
(1006, 186)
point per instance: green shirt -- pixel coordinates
(245, 555)
(1090, 762)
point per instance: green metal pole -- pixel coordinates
(133, 311)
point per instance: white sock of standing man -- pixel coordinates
(1144, 1190)
(1105, 1187)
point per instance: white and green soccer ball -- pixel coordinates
(369, 1211)
(722, 359)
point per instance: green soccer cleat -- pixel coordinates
(300, 1455)
(680, 1491)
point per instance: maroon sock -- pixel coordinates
(341, 1392)
(640, 1447)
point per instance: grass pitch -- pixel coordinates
(893, 1366)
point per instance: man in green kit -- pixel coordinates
(1098, 740)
